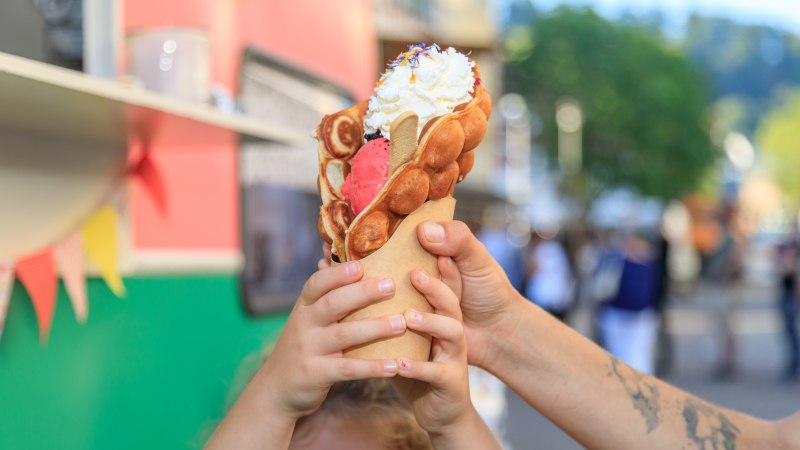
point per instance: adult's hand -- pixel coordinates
(488, 300)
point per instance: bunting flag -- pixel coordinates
(69, 260)
(6, 283)
(38, 274)
(147, 172)
(100, 240)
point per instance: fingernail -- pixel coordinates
(398, 323)
(414, 316)
(386, 285)
(390, 366)
(351, 268)
(404, 364)
(423, 278)
(434, 232)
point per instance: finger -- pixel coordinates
(326, 251)
(323, 263)
(454, 239)
(438, 294)
(435, 373)
(337, 303)
(344, 335)
(450, 275)
(346, 369)
(325, 280)
(449, 331)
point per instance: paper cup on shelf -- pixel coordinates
(400, 255)
(172, 61)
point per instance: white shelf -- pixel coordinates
(40, 97)
(64, 139)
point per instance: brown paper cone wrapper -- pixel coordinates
(401, 254)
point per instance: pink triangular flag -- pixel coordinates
(69, 259)
(37, 273)
(6, 283)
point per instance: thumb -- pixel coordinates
(454, 239)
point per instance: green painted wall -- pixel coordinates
(153, 370)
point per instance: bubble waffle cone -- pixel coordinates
(443, 156)
(422, 176)
(401, 254)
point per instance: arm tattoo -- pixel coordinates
(645, 395)
(707, 427)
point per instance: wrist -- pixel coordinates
(500, 338)
(268, 401)
(469, 432)
(255, 421)
(464, 421)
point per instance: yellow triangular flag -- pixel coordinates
(6, 283)
(69, 260)
(100, 240)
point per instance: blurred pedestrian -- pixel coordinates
(788, 252)
(664, 349)
(487, 391)
(493, 233)
(549, 279)
(722, 269)
(628, 320)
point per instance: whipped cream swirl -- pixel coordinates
(426, 80)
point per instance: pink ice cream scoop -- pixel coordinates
(369, 170)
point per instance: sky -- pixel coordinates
(779, 13)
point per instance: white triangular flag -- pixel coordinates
(69, 260)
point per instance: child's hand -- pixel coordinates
(307, 358)
(445, 405)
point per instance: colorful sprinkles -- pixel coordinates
(411, 57)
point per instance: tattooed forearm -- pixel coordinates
(645, 395)
(707, 427)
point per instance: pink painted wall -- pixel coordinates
(332, 39)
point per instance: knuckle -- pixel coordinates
(346, 370)
(342, 333)
(306, 367)
(311, 284)
(327, 302)
(458, 229)
(458, 331)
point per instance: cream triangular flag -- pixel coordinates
(6, 284)
(100, 240)
(69, 260)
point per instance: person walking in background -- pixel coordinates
(550, 282)
(493, 233)
(788, 253)
(628, 320)
(722, 269)
(664, 350)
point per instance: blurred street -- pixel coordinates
(755, 387)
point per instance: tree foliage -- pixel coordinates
(643, 102)
(748, 62)
(778, 138)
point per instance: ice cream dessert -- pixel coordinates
(369, 171)
(411, 142)
(424, 80)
